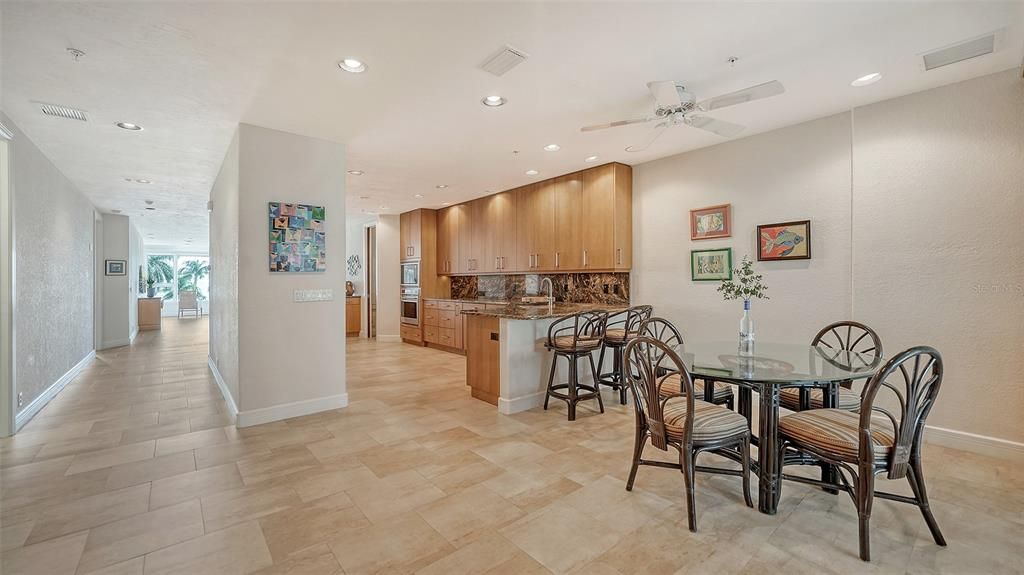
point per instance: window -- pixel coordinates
(194, 275)
(160, 270)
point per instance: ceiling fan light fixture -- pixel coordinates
(352, 65)
(866, 79)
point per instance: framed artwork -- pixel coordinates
(116, 267)
(711, 222)
(711, 265)
(784, 241)
(297, 238)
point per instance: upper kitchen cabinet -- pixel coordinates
(448, 248)
(498, 233)
(569, 224)
(535, 226)
(411, 234)
(606, 216)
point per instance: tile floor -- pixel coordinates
(136, 468)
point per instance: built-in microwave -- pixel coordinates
(411, 274)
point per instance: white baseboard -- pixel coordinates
(289, 410)
(116, 343)
(40, 402)
(133, 335)
(981, 444)
(389, 338)
(223, 386)
(510, 406)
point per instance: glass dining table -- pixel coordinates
(772, 368)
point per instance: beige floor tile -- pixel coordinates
(507, 452)
(178, 488)
(394, 495)
(189, 441)
(77, 445)
(137, 535)
(468, 514)
(288, 532)
(229, 452)
(90, 511)
(150, 469)
(158, 431)
(560, 537)
(356, 442)
(329, 481)
(402, 544)
(275, 463)
(521, 564)
(130, 567)
(315, 560)
(124, 423)
(14, 535)
(237, 550)
(227, 508)
(53, 557)
(488, 552)
(111, 457)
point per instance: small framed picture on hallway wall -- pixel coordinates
(117, 267)
(297, 238)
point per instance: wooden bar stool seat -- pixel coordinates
(574, 337)
(622, 327)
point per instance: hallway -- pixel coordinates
(137, 468)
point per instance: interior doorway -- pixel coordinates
(371, 281)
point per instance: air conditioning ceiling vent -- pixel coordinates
(503, 60)
(63, 112)
(960, 51)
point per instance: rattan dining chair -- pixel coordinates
(689, 425)
(884, 437)
(574, 337)
(835, 340)
(622, 326)
(664, 331)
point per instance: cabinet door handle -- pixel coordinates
(558, 259)
(584, 258)
(618, 256)
(502, 262)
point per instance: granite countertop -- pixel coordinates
(470, 300)
(541, 311)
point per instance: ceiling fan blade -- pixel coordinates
(615, 124)
(658, 131)
(665, 93)
(766, 90)
(720, 127)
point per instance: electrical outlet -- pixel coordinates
(21, 398)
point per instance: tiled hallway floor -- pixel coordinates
(136, 468)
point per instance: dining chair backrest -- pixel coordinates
(187, 300)
(651, 362)
(630, 320)
(850, 336)
(909, 381)
(585, 327)
(662, 330)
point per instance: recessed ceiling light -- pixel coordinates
(493, 101)
(446, 203)
(143, 181)
(441, 186)
(356, 172)
(532, 172)
(418, 195)
(352, 65)
(866, 79)
(129, 126)
(115, 211)
(590, 159)
(552, 148)
(151, 208)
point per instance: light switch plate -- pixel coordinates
(307, 295)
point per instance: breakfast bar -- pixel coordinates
(506, 361)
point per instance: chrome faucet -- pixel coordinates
(551, 292)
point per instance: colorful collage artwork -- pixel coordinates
(297, 242)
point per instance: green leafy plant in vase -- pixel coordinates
(746, 285)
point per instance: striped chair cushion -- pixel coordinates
(790, 398)
(566, 342)
(710, 422)
(835, 431)
(618, 334)
(672, 385)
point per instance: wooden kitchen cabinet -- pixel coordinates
(497, 233)
(353, 315)
(411, 234)
(448, 247)
(535, 227)
(569, 223)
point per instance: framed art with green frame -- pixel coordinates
(711, 265)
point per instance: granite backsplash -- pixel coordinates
(570, 288)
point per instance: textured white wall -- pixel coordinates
(388, 277)
(920, 196)
(54, 269)
(289, 352)
(224, 271)
(938, 254)
(135, 251)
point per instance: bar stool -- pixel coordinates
(622, 327)
(575, 337)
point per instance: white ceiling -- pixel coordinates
(189, 73)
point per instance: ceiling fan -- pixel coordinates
(677, 106)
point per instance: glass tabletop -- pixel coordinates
(776, 362)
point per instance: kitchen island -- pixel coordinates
(506, 361)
